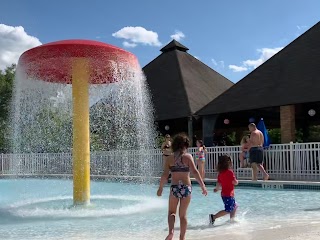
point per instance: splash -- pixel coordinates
(121, 118)
(61, 207)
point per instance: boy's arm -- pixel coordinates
(217, 188)
(234, 180)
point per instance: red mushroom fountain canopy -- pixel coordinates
(52, 62)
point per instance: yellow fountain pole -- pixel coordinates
(81, 132)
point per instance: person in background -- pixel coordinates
(180, 164)
(200, 158)
(166, 148)
(225, 182)
(194, 141)
(256, 141)
(244, 155)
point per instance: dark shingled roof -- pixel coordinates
(174, 45)
(291, 76)
(180, 84)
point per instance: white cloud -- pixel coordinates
(129, 44)
(217, 64)
(302, 27)
(13, 42)
(137, 35)
(237, 68)
(178, 35)
(221, 64)
(265, 54)
(214, 62)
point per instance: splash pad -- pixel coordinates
(80, 63)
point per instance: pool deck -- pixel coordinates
(272, 184)
(288, 231)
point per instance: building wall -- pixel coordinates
(287, 121)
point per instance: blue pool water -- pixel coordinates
(42, 209)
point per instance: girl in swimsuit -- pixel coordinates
(200, 157)
(244, 155)
(166, 148)
(180, 164)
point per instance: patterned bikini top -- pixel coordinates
(200, 154)
(178, 165)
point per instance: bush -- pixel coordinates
(275, 135)
(314, 133)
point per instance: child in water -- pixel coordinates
(226, 182)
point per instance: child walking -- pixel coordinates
(226, 182)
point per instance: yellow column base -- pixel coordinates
(81, 132)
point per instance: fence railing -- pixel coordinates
(294, 161)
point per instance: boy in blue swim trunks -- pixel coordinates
(226, 182)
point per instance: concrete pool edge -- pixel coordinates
(270, 184)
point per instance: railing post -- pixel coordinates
(291, 161)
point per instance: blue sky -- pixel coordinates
(231, 36)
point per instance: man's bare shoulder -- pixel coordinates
(254, 133)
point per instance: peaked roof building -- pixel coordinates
(180, 84)
(291, 76)
(284, 87)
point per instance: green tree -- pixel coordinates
(314, 133)
(231, 139)
(6, 87)
(50, 132)
(275, 135)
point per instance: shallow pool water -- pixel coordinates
(42, 209)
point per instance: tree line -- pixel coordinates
(6, 89)
(51, 124)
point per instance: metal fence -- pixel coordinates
(294, 161)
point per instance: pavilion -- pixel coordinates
(284, 91)
(181, 85)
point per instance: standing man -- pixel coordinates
(256, 152)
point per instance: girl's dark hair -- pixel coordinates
(224, 163)
(180, 141)
(201, 143)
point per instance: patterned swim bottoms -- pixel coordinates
(180, 190)
(229, 204)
